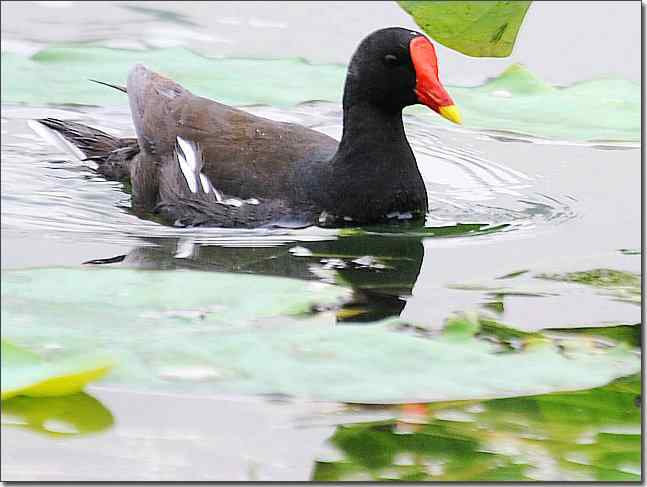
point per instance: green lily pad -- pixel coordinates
(26, 373)
(201, 332)
(480, 29)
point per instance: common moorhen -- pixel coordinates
(198, 162)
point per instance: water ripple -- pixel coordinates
(44, 190)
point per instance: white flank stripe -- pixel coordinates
(191, 165)
(189, 150)
(187, 164)
(188, 174)
(206, 185)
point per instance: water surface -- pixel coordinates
(529, 216)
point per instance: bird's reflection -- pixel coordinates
(381, 269)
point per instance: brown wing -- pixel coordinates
(245, 155)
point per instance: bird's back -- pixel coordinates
(244, 155)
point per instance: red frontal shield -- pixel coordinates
(429, 90)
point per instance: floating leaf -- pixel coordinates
(516, 102)
(481, 28)
(188, 330)
(152, 295)
(66, 69)
(25, 373)
(376, 364)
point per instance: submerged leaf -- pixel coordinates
(25, 373)
(605, 278)
(592, 435)
(625, 286)
(414, 230)
(630, 334)
(481, 28)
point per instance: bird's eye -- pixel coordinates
(391, 60)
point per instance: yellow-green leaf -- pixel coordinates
(26, 373)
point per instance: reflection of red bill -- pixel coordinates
(414, 413)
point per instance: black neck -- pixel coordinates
(371, 133)
(374, 171)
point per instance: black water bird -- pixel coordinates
(197, 162)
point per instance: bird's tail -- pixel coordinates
(112, 154)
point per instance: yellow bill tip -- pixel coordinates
(451, 113)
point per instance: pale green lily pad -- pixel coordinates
(98, 295)
(515, 102)
(191, 331)
(26, 373)
(377, 365)
(518, 103)
(481, 28)
(65, 72)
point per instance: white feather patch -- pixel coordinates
(190, 153)
(187, 160)
(188, 174)
(190, 161)
(204, 180)
(233, 202)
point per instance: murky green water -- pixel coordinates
(253, 355)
